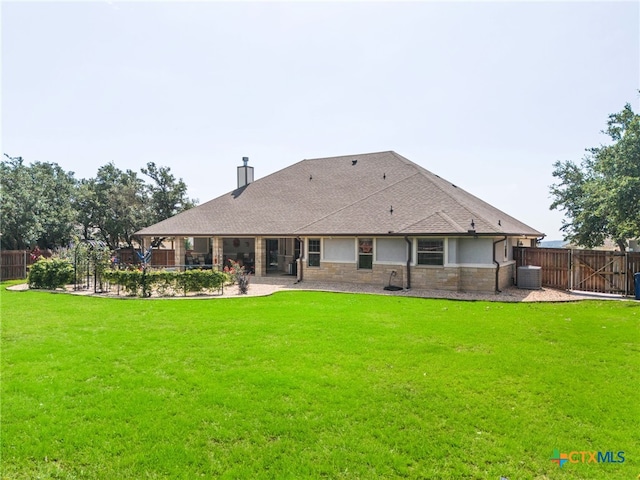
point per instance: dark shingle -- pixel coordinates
(337, 196)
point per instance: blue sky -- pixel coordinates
(485, 94)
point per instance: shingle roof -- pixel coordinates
(367, 194)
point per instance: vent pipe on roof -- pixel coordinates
(245, 173)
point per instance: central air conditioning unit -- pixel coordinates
(530, 277)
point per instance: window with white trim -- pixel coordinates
(430, 251)
(365, 253)
(313, 252)
(391, 250)
(339, 250)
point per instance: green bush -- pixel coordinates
(238, 275)
(163, 283)
(50, 273)
(130, 280)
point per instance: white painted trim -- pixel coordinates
(470, 265)
(414, 251)
(323, 248)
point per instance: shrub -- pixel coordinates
(130, 280)
(50, 273)
(237, 274)
(163, 282)
(243, 283)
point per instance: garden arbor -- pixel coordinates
(90, 258)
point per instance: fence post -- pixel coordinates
(24, 264)
(571, 269)
(626, 273)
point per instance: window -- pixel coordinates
(391, 250)
(314, 252)
(430, 252)
(339, 250)
(365, 253)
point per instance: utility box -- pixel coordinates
(530, 277)
(292, 269)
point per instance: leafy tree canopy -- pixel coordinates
(41, 204)
(167, 196)
(114, 205)
(35, 204)
(601, 195)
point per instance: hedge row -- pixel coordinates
(163, 283)
(50, 273)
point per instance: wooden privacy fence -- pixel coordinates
(14, 263)
(585, 270)
(159, 257)
(633, 266)
(555, 263)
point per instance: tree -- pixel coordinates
(85, 204)
(167, 196)
(35, 205)
(41, 204)
(112, 205)
(601, 196)
(19, 226)
(55, 190)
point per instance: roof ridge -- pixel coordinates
(463, 200)
(344, 200)
(355, 201)
(443, 215)
(429, 174)
(352, 155)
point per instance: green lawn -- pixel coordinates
(316, 385)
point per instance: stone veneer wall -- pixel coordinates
(457, 278)
(506, 275)
(260, 256)
(179, 252)
(217, 253)
(349, 273)
(478, 279)
(435, 278)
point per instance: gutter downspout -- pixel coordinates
(300, 262)
(406, 239)
(497, 263)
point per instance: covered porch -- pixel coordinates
(261, 256)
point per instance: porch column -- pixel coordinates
(179, 253)
(217, 253)
(261, 267)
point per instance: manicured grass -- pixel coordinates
(315, 385)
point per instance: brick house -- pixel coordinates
(354, 218)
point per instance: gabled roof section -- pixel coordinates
(367, 194)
